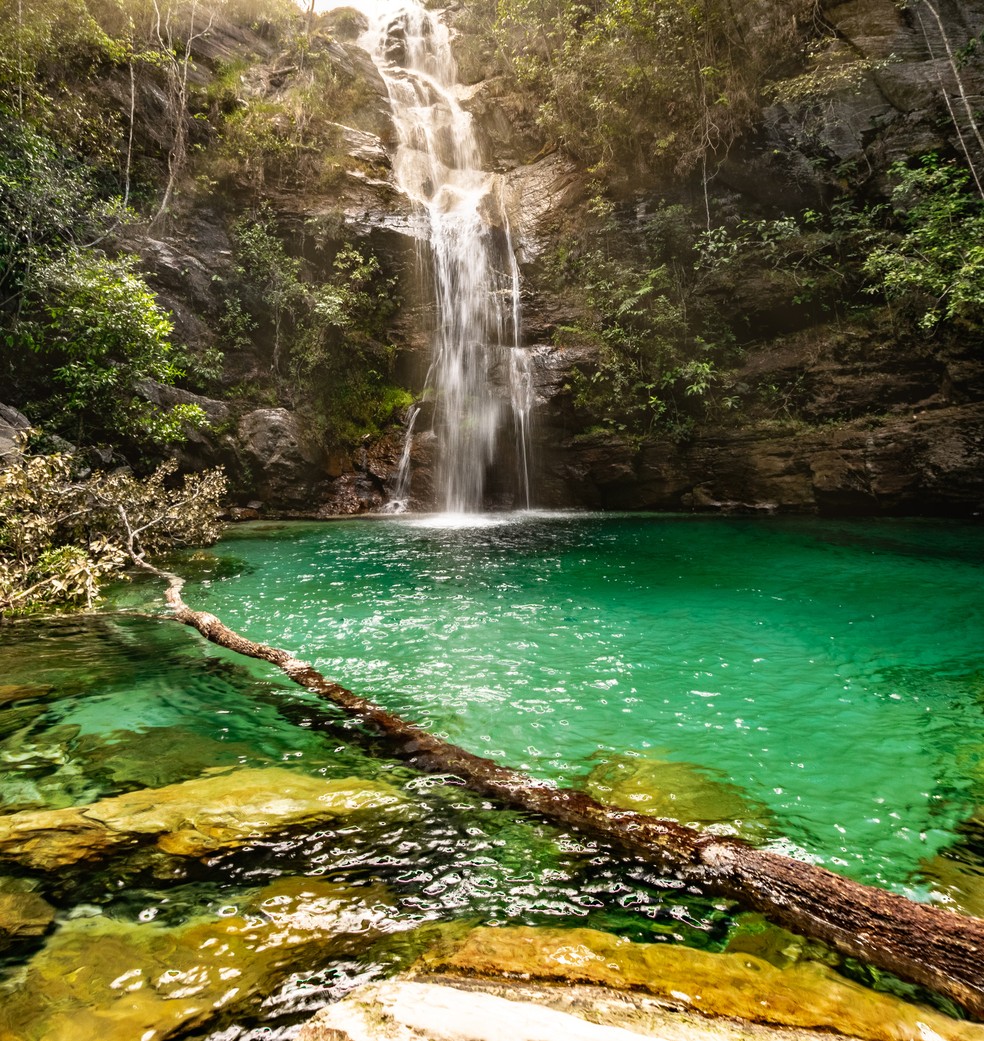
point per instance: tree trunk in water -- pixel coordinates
(938, 949)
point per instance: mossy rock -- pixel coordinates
(118, 981)
(805, 995)
(696, 796)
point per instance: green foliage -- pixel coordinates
(658, 338)
(642, 83)
(938, 258)
(99, 330)
(63, 535)
(341, 357)
(291, 137)
(331, 333)
(812, 257)
(47, 203)
(80, 328)
(270, 275)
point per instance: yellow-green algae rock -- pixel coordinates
(103, 980)
(221, 810)
(805, 995)
(954, 882)
(23, 914)
(693, 795)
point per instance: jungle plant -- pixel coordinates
(99, 331)
(658, 338)
(329, 350)
(938, 256)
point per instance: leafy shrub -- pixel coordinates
(99, 332)
(938, 255)
(63, 535)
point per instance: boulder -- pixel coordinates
(805, 995)
(118, 981)
(13, 426)
(696, 796)
(285, 465)
(216, 412)
(191, 819)
(459, 1009)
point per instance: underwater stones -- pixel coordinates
(159, 755)
(119, 981)
(194, 818)
(956, 885)
(10, 692)
(806, 995)
(23, 914)
(693, 795)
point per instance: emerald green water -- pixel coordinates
(833, 670)
(825, 677)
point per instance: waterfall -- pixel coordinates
(479, 379)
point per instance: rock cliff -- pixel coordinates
(826, 412)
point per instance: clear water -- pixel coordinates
(829, 671)
(833, 670)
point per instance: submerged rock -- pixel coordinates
(120, 981)
(697, 796)
(10, 692)
(221, 811)
(806, 995)
(956, 884)
(23, 914)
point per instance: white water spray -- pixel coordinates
(479, 377)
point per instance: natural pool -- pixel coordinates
(819, 685)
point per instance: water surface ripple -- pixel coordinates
(831, 670)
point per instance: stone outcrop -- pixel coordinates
(930, 461)
(802, 995)
(152, 981)
(286, 466)
(525, 984)
(190, 819)
(13, 425)
(450, 1008)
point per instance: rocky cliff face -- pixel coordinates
(838, 415)
(848, 416)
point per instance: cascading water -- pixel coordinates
(479, 378)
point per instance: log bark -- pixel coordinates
(936, 948)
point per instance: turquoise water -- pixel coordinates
(823, 678)
(832, 670)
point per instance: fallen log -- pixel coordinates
(936, 948)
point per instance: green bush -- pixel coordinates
(99, 331)
(937, 257)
